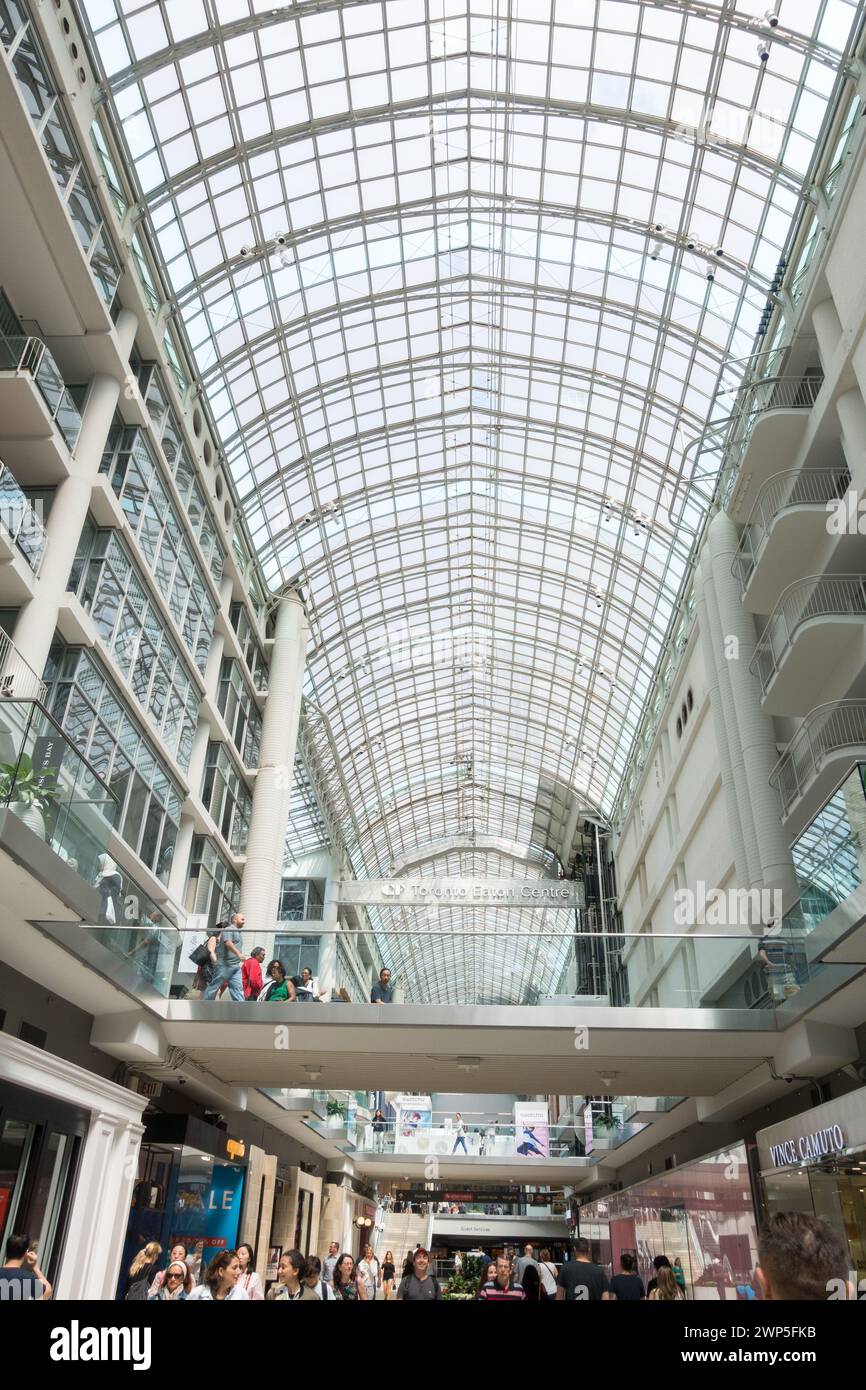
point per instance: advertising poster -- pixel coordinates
(531, 1124)
(414, 1123)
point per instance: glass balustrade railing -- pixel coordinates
(30, 356)
(481, 1139)
(50, 788)
(21, 521)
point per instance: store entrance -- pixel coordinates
(40, 1140)
(835, 1191)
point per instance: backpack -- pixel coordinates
(138, 1291)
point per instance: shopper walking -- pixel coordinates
(330, 1261)
(251, 974)
(667, 1289)
(348, 1288)
(228, 959)
(660, 1262)
(580, 1279)
(388, 1271)
(488, 1276)
(176, 1286)
(21, 1277)
(141, 1273)
(680, 1275)
(381, 993)
(248, 1278)
(526, 1259)
(370, 1271)
(460, 1132)
(291, 1285)
(221, 1281)
(419, 1285)
(177, 1253)
(548, 1273)
(313, 1280)
(502, 1288)
(278, 987)
(627, 1286)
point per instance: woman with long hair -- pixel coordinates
(248, 1278)
(487, 1277)
(221, 1281)
(532, 1284)
(666, 1290)
(388, 1271)
(279, 988)
(143, 1268)
(348, 1288)
(548, 1272)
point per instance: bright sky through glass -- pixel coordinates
(410, 243)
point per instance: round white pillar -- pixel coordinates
(852, 418)
(265, 852)
(828, 331)
(756, 732)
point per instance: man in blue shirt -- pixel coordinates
(228, 958)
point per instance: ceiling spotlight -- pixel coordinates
(246, 251)
(313, 1072)
(772, 19)
(719, 251)
(763, 50)
(659, 227)
(282, 239)
(656, 251)
(691, 244)
(711, 274)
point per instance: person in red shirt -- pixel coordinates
(251, 974)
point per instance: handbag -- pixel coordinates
(200, 955)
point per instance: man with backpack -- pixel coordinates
(419, 1285)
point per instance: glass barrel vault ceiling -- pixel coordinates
(411, 248)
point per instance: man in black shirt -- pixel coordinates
(626, 1287)
(581, 1280)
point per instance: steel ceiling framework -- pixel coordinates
(454, 367)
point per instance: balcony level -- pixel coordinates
(813, 647)
(787, 535)
(39, 418)
(820, 756)
(769, 425)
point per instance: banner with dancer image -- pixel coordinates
(531, 1129)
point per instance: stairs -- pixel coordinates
(402, 1231)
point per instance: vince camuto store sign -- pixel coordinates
(822, 1133)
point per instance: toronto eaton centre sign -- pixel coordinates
(466, 892)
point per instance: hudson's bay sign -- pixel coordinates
(466, 892)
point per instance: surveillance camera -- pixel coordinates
(763, 50)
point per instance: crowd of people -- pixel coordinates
(222, 968)
(800, 1258)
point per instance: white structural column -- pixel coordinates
(852, 418)
(265, 852)
(711, 659)
(751, 860)
(828, 331)
(34, 631)
(327, 970)
(756, 732)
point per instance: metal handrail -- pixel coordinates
(816, 596)
(791, 488)
(19, 517)
(31, 356)
(18, 680)
(756, 399)
(826, 729)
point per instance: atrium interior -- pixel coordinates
(432, 590)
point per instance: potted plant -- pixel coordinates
(28, 793)
(462, 1285)
(607, 1120)
(336, 1113)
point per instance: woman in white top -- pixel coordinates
(548, 1272)
(221, 1280)
(369, 1271)
(248, 1279)
(309, 986)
